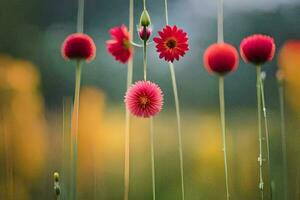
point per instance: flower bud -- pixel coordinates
(144, 33)
(145, 19)
(56, 177)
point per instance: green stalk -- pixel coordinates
(74, 135)
(223, 121)
(127, 113)
(220, 21)
(283, 138)
(260, 158)
(145, 59)
(178, 117)
(179, 134)
(267, 133)
(152, 158)
(151, 122)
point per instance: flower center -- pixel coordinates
(171, 43)
(126, 43)
(144, 101)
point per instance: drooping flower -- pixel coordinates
(144, 99)
(172, 43)
(221, 58)
(119, 46)
(257, 49)
(78, 46)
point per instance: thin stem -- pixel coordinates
(260, 158)
(178, 117)
(80, 16)
(222, 114)
(75, 131)
(220, 21)
(127, 113)
(283, 138)
(152, 157)
(144, 4)
(266, 132)
(145, 60)
(166, 12)
(179, 134)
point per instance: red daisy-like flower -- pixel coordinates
(257, 49)
(172, 43)
(144, 99)
(78, 46)
(221, 58)
(119, 46)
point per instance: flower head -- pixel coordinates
(257, 49)
(78, 46)
(172, 43)
(221, 58)
(145, 32)
(144, 99)
(119, 46)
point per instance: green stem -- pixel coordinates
(179, 134)
(152, 157)
(144, 4)
(80, 16)
(178, 117)
(222, 114)
(74, 135)
(267, 133)
(166, 12)
(127, 113)
(145, 59)
(260, 158)
(283, 138)
(220, 21)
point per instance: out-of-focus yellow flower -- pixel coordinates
(289, 64)
(90, 134)
(22, 112)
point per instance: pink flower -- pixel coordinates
(78, 46)
(145, 32)
(144, 99)
(221, 58)
(257, 49)
(172, 43)
(119, 46)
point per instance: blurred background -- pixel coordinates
(36, 88)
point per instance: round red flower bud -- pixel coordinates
(144, 33)
(79, 46)
(257, 49)
(221, 58)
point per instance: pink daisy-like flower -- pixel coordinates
(172, 43)
(78, 46)
(144, 99)
(257, 49)
(119, 46)
(221, 58)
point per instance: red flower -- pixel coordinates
(119, 46)
(221, 58)
(78, 46)
(172, 43)
(144, 99)
(145, 32)
(257, 49)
